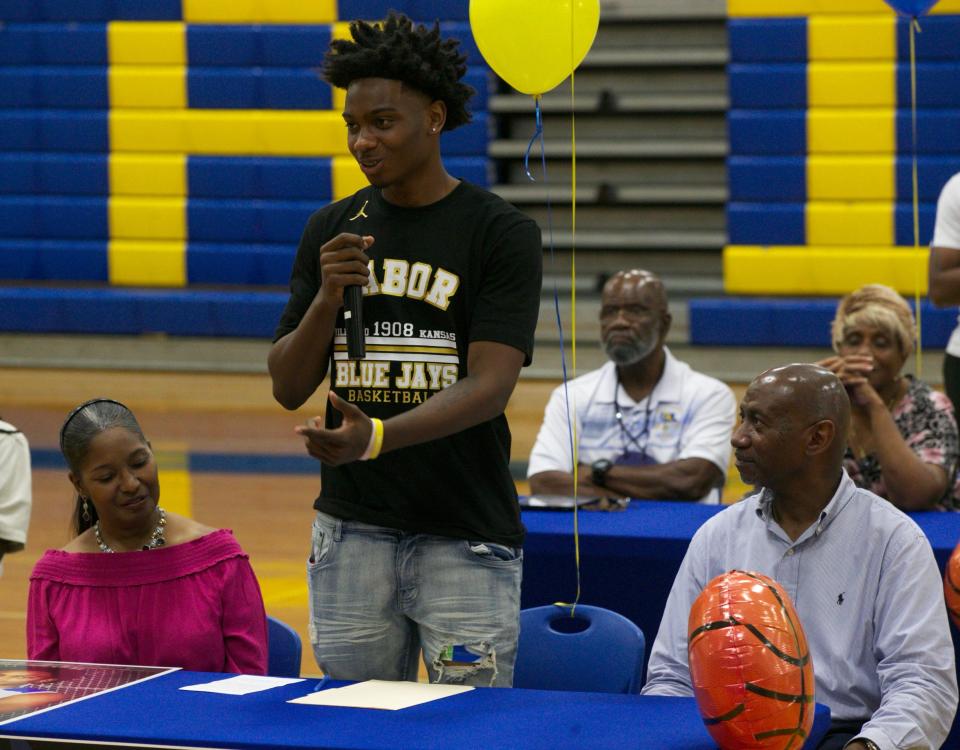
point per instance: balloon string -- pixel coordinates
(571, 427)
(914, 29)
(533, 139)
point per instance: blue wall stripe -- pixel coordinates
(938, 40)
(767, 39)
(54, 174)
(759, 321)
(245, 264)
(53, 260)
(54, 44)
(938, 131)
(253, 88)
(90, 10)
(53, 217)
(771, 178)
(932, 172)
(421, 10)
(766, 223)
(766, 86)
(760, 132)
(938, 84)
(54, 130)
(128, 311)
(27, 87)
(243, 45)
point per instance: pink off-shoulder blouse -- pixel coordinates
(195, 605)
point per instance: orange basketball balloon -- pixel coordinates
(951, 586)
(749, 663)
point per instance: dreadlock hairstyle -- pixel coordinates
(411, 53)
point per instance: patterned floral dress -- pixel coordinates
(926, 422)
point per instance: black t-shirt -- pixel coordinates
(466, 268)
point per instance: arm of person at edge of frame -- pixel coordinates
(943, 276)
(480, 396)
(298, 362)
(912, 483)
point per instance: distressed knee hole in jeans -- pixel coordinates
(458, 663)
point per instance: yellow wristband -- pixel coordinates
(376, 440)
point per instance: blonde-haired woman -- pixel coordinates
(903, 443)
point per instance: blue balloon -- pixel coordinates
(911, 7)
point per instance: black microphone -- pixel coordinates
(353, 318)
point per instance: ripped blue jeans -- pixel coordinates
(378, 596)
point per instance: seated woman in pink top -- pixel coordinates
(176, 593)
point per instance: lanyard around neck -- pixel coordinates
(626, 436)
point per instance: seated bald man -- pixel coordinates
(861, 573)
(648, 426)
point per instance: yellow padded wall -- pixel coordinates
(851, 178)
(833, 84)
(828, 270)
(259, 11)
(761, 8)
(852, 37)
(148, 218)
(851, 131)
(148, 174)
(147, 43)
(347, 177)
(238, 132)
(142, 86)
(147, 263)
(850, 223)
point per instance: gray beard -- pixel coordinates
(630, 353)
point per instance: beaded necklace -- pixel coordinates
(157, 538)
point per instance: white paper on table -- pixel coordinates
(242, 684)
(382, 694)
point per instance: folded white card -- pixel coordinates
(242, 684)
(382, 694)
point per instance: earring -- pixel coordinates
(85, 513)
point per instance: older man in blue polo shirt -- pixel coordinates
(861, 573)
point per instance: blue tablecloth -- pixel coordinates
(157, 712)
(628, 559)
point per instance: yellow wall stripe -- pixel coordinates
(147, 43)
(347, 177)
(850, 223)
(240, 132)
(145, 86)
(147, 263)
(148, 174)
(845, 84)
(851, 131)
(827, 270)
(851, 178)
(259, 11)
(151, 218)
(754, 8)
(852, 37)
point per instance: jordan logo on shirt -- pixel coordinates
(361, 212)
(840, 598)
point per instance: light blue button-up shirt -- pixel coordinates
(868, 592)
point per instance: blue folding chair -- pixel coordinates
(283, 649)
(596, 651)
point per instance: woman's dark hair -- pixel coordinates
(79, 429)
(401, 50)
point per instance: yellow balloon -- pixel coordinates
(534, 44)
